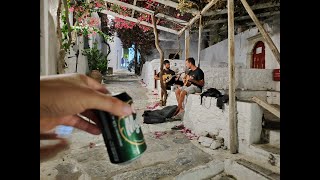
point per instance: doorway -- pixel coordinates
(258, 56)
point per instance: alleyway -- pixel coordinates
(169, 155)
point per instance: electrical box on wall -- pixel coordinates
(276, 74)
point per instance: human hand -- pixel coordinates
(62, 97)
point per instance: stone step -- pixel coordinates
(274, 138)
(266, 153)
(270, 136)
(242, 169)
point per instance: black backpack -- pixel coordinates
(160, 115)
(211, 92)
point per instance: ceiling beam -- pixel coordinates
(254, 7)
(242, 18)
(139, 22)
(175, 5)
(147, 11)
(204, 10)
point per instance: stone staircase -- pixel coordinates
(269, 146)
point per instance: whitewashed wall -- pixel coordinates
(49, 66)
(244, 43)
(147, 74)
(116, 53)
(82, 60)
(169, 44)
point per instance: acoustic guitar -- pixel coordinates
(167, 77)
(186, 82)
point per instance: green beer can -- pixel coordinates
(122, 135)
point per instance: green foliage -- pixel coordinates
(96, 59)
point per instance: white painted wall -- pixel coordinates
(245, 79)
(48, 63)
(82, 60)
(244, 43)
(147, 73)
(169, 44)
(116, 53)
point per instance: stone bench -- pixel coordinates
(208, 118)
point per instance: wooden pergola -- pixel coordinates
(199, 15)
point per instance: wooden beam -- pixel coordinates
(147, 11)
(199, 40)
(134, 3)
(172, 19)
(205, 9)
(241, 18)
(186, 44)
(175, 5)
(264, 33)
(232, 99)
(267, 106)
(139, 22)
(254, 7)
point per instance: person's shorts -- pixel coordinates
(191, 89)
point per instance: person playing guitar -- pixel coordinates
(168, 77)
(193, 83)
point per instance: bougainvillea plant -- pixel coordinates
(84, 23)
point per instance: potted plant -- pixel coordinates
(97, 62)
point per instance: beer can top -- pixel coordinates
(123, 96)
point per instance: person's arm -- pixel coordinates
(156, 76)
(199, 82)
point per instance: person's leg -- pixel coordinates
(178, 91)
(181, 99)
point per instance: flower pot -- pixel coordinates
(96, 75)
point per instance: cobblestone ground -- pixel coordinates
(165, 157)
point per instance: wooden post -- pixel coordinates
(232, 101)
(199, 40)
(264, 33)
(156, 41)
(186, 43)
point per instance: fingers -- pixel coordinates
(96, 86)
(49, 136)
(82, 124)
(90, 115)
(110, 104)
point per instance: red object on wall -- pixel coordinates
(276, 74)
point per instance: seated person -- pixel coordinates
(193, 83)
(168, 75)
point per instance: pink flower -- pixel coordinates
(71, 9)
(98, 4)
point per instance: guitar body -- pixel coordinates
(167, 77)
(186, 82)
